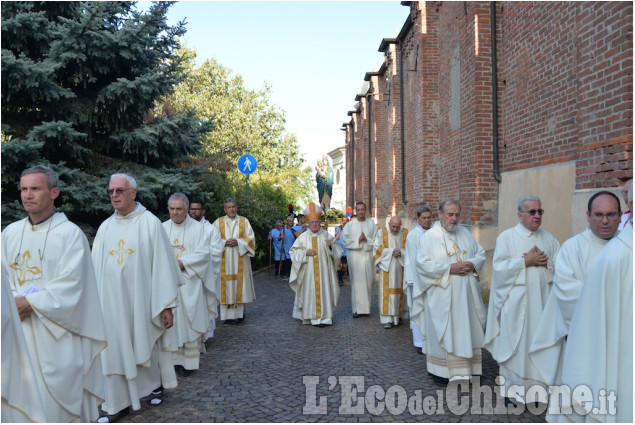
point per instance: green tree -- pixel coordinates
(81, 85)
(243, 120)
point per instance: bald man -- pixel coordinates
(389, 250)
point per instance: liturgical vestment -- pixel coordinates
(413, 242)
(50, 262)
(216, 246)
(360, 262)
(516, 302)
(236, 280)
(137, 276)
(452, 304)
(197, 296)
(599, 351)
(391, 295)
(572, 262)
(314, 278)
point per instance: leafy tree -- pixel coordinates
(243, 120)
(81, 85)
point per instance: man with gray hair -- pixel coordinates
(46, 260)
(137, 276)
(448, 293)
(236, 280)
(413, 242)
(197, 295)
(390, 250)
(523, 272)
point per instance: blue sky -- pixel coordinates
(313, 54)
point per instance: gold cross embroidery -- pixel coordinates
(119, 253)
(178, 247)
(23, 268)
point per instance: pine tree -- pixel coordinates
(81, 82)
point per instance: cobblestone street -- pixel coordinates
(254, 371)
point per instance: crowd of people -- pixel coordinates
(557, 317)
(92, 332)
(88, 333)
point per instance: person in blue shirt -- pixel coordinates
(343, 266)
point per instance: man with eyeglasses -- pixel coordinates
(599, 352)
(46, 259)
(198, 302)
(572, 263)
(523, 271)
(137, 276)
(197, 212)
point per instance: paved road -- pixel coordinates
(263, 369)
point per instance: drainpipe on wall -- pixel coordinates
(403, 126)
(370, 158)
(497, 175)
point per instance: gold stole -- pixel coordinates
(316, 278)
(386, 289)
(224, 277)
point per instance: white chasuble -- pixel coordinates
(197, 296)
(236, 279)
(65, 332)
(216, 254)
(391, 294)
(547, 347)
(314, 278)
(599, 351)
(413, 242)
(138, 278)
(360, 262)
(517, 299)
(453, 305)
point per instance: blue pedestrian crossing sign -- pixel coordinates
(247, 164)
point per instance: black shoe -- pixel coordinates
(228, 322)
(181, 371)
(419, 350)
(240, 319)
(156, 396)
(355, 315)
(440, 380)
(106, 418)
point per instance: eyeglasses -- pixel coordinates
(534, 212)
(118, 191)
(612, 216)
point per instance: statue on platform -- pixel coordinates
(324, 181)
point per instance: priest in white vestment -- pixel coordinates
(575, 256)
(599, 351)
(197, 212)
(448, 293)
(413, 242)
(236, 286)
(197, 296)
(390, 250)
(359, 238)
(137, 275)
(314, 257)
(47, 261)
(523, 270)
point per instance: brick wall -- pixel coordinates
(564, 95)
